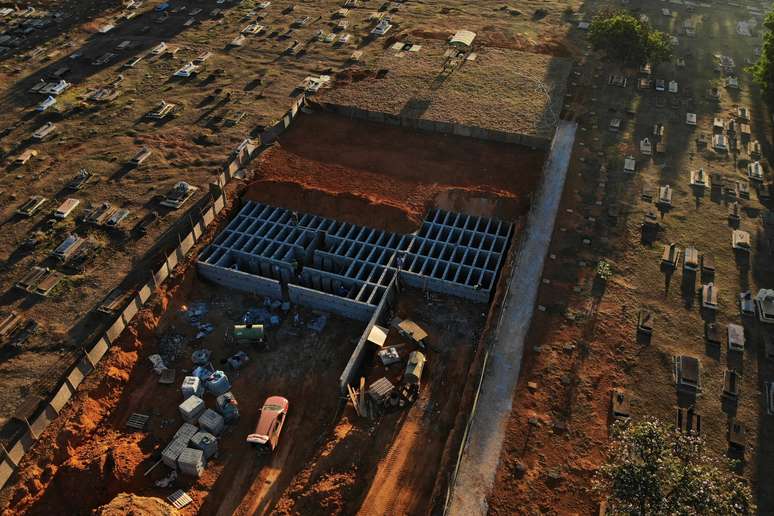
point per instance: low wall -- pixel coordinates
(358, 354)
(438, 127)
(330, 303)
(241, 281)
(445, 287)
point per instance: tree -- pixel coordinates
(763, 70)
(653, 469)
(629, 40)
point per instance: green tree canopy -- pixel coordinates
(629, 40)
(653, 469)
(763, 70)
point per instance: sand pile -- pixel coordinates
(128, 504)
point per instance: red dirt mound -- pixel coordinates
(383, 176)
(126, 503)
(344, 206)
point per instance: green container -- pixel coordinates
(248, 333)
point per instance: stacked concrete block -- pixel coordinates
(206, 442)
(191, 462)
(172, 451)
(185, 432)
(191, 409)
(212, 422)
(192, 386)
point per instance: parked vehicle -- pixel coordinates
(269, 426)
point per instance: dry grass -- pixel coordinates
(502, 89)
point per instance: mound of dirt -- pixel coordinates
(129, 504)
(389, 177)
(110, 465)
(349, 207)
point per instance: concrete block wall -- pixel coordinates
(358, 354)
(437, 126)
(241, 281)
(443, 287)
(330, 303)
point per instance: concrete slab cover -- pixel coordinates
(98, 351)
(115, 330)
(161, 275)
(481, 454)
(61, 398)
(129, 312)
(208, 216)
(75, 378)
(6, 470)
(40, 424)
(187, 243)
(144, 294)
(219, 203)
(25, 441)
(197, 231)
(16, 453)
(172, 260)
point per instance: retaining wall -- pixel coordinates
(438, 127)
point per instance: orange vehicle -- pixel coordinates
(269, 426)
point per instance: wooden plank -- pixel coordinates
(362, 407)
(353, 397)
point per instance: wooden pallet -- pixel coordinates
(137, 421)
(167, 376)
(179, 499)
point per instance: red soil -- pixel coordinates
(83, 456)
(574, 363)
(388, 177)
(353, 208)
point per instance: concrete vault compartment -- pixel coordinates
(347, 269)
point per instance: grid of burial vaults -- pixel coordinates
(356, 262)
